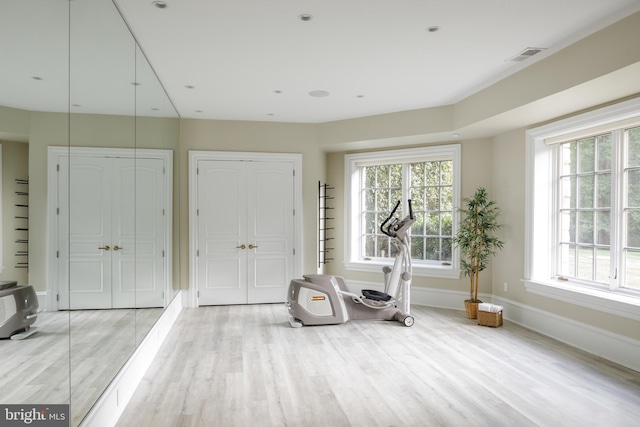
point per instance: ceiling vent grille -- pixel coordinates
(526, 54)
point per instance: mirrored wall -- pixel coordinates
(86, 123)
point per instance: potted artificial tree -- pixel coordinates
(476, 241)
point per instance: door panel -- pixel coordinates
(123, 233)
(270, 226)
(141, 234)
(87, 282)
(250, 204)
(221, 219)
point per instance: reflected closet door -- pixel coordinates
(84, 185)
(115, 254)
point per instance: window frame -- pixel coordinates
(353, 186)
(541, 207)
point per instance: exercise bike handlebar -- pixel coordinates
(394, 223)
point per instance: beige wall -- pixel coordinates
(15, 165)
(476, 171)
(221, 135)
(508, 266)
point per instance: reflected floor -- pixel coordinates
(37, 370)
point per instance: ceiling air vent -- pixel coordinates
(526, 54)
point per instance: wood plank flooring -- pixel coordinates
(245, 366)
(72, 358)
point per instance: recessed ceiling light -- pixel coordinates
(159, 4)
(277, 91)
(359, 96)
(433, 29)
(76, 105)
(305, 17)
(319, 93)
(455, 135)
(270, 114)
(198, 111)
(36, 78)
(155, 109)
(136, 83)
(190, 87)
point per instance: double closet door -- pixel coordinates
(245, 231)
(111, 227)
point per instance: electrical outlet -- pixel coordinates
(506, 287)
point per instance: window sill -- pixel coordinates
(418, 270)
(606, 301)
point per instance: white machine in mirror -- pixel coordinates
(18, 310)
(322, 299)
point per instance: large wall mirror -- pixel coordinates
(88, 132)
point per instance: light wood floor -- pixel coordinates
(245, 366)
(72, 358)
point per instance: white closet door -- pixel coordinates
(84, 268)
(245, 231)
(270, 230)
(222, 275)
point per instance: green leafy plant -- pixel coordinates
(475, 237)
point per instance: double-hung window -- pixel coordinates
(583, 215)
(375, 182)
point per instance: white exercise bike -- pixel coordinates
(322, 299)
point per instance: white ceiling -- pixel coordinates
(256, 60)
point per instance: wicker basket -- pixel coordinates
(471, 309)
(486, 318)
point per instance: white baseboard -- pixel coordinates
(111, 404)
(608, 345)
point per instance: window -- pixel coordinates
(428, 176)
(583, 212)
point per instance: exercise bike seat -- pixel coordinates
(376, 295)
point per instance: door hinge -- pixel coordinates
(162, 212)
(294, 212)
(164, 170)
(57, 211)
(197, 171)
(58, 168)
(198, 252)
(197, 212)
(57, 254)
(57, 297)
(294, 172)
(198, 294)
(294, 251)
(163, 254)
(163, 295)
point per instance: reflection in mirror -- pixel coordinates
(101, 211)
(34, 38)
(157, 135)
(82, 116)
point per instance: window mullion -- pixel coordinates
(617, 208)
